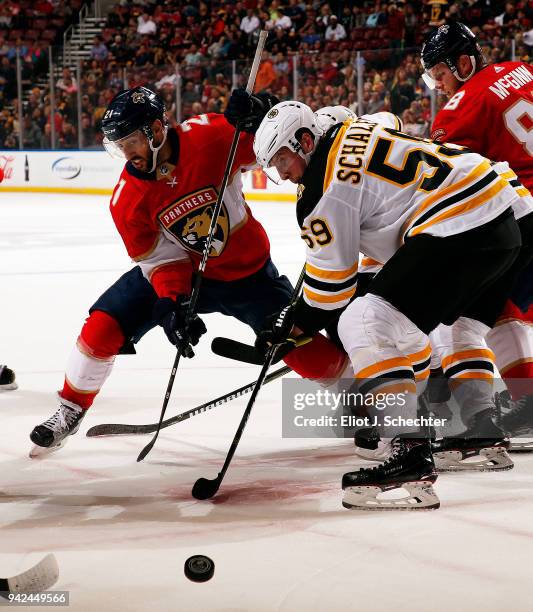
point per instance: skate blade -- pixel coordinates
(421, 496)
(519, 445)
(40, 452)
(10, 387)
(487, 460)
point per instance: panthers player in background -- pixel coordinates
(162, 207)
(440, 218)
(490, 111)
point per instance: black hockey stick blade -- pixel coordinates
(117, 429)
(239, 351)
(204, 488)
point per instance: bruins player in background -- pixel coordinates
(490, 111)
(440, 219)
(162, 207)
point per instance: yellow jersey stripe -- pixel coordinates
(471, 354)
(332, 156)
(329, 299)
(421, 355)
(461, 209)
(441, 194)
(331, 274)
(383, 366)
(368, 261)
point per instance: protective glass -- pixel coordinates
(431, 75)
(120, 148)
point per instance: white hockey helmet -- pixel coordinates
(278, 129)
(331, 115)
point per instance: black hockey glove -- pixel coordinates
(170, 315)
(246, 111)
(277, 332)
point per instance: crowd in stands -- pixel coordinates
(205, 47)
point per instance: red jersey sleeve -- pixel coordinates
(133, 220)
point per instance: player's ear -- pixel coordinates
(157, 127)
(464, 65)
(308, 142)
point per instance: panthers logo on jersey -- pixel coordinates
(189, 220)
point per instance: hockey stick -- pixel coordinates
(38, 578)
(239, 351)
(116, 429)
(205, 488)
(205, 255)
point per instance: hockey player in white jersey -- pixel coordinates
(439, 218)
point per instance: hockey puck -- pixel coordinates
(199, 568)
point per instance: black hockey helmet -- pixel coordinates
(131, 110)
(446, 44)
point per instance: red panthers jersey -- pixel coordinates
(492, 114)
(164, 217)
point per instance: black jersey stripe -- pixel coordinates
(330, 286)
(457, 197)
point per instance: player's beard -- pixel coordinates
(140, 163)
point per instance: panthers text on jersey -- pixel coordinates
(492, 114)
(164, 217)
(369, 188)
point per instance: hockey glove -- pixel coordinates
(246, 111)
(171, 315)
(279, 327)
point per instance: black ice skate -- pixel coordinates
(52, 435)
(482, 448)
(410, 467)
(7, 379)
(371, 446)
(516, 419)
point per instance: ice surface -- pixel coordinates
(278, 535)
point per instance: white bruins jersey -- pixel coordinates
(368, 188)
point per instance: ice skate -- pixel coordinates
(53, 434)
(482, 447)
(516, 419)
(369, 445)
(409, 467)
(7, 379)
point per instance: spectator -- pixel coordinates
(296, 14)
(335, 30)
(284, 21)
(145, 25)
(67, 82)
(118, 49)
(8, 79)
(266, 75)
(377, 17)
(194, 57)
(31, 134)
(250, 23)
(69, 137)
(190, 94)
(99, 51)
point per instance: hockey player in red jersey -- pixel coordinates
(490, 110)
(162, 207)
